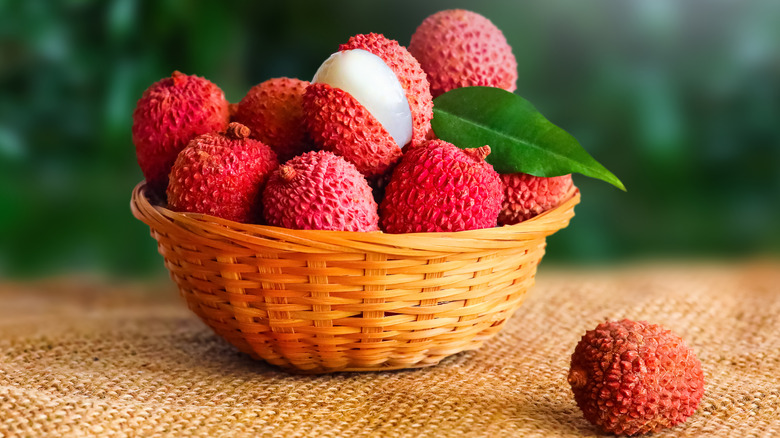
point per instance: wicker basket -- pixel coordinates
(323, 301)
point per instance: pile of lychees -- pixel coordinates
(351, 150)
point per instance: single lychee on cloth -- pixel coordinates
(632, 378)
(273, 110)
(320, 191)
(169, 114)
(222, 174)
(526, 196)
(367, 101)
(440, 187)
(458, 48)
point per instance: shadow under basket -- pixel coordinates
(323, 301)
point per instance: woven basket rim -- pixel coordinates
(212, 227)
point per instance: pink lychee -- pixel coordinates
(459, 48)
(320, 191)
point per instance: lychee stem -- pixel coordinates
(287, 173)
(479, 153)
(577, 378)
(179, 78)
(237, 131)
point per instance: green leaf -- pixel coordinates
(520, 138)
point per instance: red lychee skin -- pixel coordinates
(273, 110)
(222, 175)
(635, 377)
(409, 73)
(459, 48)
(440, 187)
(320, 191)
(526, 196)
(169, 114)
(338, 123)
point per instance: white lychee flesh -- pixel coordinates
(374, 85)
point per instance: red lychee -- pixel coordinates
(222, 175)
(526, 196)
(273, 110)
(440, 187)
(320, 191)
(169, 114)
(635, 377)
(459, 48)
(368, 129)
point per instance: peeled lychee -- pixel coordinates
(273, 110)
(320, 191)
(635, 377)
(440, 187)
(409, 73)
(526, 196)
(459, 48)
(367, 101)
(222, 175)
(169, 114)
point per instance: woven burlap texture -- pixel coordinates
(93, 358)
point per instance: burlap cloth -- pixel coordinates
(92, 358)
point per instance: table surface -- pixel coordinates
(92, 357)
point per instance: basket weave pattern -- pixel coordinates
(323, 301)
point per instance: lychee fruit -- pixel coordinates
(459, 48)
(526, 196)
(222, 174)
(409, 73)
(320, 191)
(440, 187)
(367, 101)
(273, 110)
(632, 378)
(169, 114)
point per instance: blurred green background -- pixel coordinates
(680, 99)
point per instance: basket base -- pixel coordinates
(316, 371)
(428, 361)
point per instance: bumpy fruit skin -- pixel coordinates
(632, 378)
(222, 175)
(440, 187)
(320, 191)
(169, 114)
(273, 110)
(337, 122)
(526, 196)
(459, 48)
(340, 124)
